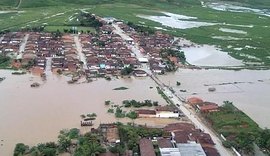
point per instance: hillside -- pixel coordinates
(9, 3)
(42, 3)
(45, 3)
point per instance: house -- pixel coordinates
(109, 133)
(144, 113)
(143, 60)
(179, 127)
(169, 152)
(140, 73)
(164, 143)
(207, 107)
(211, 151)
(167, 112)
(191, 149)
(194, 100)
(157, 69)
(146, 147)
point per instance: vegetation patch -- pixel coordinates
(120, 88)
(240, 130)
(164, 96)
(69, 142)
(138, 104)
(4, 61)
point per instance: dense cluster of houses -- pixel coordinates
(183, 140)
(179, 139)
(106, 52)
(43, 46)
(151, 45)
(10, 43)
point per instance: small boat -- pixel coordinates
(86, 123)
(34, 85)
(18, 73)
(2, 79)
(43, 76)
(71, 81)
(211, 89)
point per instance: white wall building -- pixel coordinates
(167, 112)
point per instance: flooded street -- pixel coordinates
(247, 89)
(34, 115)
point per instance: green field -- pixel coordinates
(58, 14)
(236, 126)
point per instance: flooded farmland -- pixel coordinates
(34, 115)
(207, 55)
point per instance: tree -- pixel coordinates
(155, 103)
(119, 148)
(48, 149)
(107, 102)
(132, 115)
(64, 143)
(34, 151)
(263, 139)
(126, 71)
(20, 149)
(89, 145)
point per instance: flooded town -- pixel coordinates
(135, 90)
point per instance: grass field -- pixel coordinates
(230, 121)
(58, 14)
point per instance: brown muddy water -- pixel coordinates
(35, 115)
(249, 90)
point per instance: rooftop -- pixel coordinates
(164, 143)
(146, 147)
(169, 152)
(191, 149)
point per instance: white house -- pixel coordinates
(167, 112)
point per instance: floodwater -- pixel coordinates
(226, 38)
(232, 31)
(177, 21)
(207, 55)
(248, 89)
(235, 8)
(34, 115)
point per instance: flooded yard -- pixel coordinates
(34, 115)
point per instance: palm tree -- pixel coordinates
(89, 149)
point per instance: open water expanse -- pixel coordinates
(34, 115)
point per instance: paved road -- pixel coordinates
(133, 48)
(79, 49)
(176, 100)
(48, 69)
(22, 46)
(19, 4)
